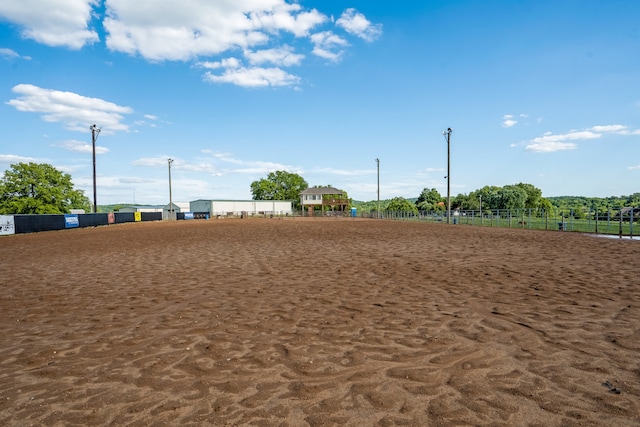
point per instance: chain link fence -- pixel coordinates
(621, 222)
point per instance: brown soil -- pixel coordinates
(339, 322)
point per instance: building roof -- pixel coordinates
(238, 200)
(322, 190)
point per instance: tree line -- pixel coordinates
(33, 188)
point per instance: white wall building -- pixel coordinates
(237, 207)
(141, 209)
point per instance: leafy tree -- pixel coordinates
(534, 195)
(490, 197)
(400, 204)
(428, 199)
(464, 202)
(39, 188)
(547, 206)
(512, 197)
(633, 200)
(279, 185)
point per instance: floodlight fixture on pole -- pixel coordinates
(95, 131)
(447, 133)
(171, 217)
(378, 162)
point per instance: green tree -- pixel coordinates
(39, 188)
(633, 200)
(534, 195)
(547, 206)
(490, 197)
(400, 204)
(279, 185)
(464, 202)
(428, 200)
(512, 197)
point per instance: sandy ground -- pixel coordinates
(338, 322)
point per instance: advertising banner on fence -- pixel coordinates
(137, 216)
(188, 215)
(111, 218)
(7, 224)
(71, 221)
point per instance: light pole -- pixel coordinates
(448, 135)
(170, 196)
(378, 162)
(95, 131)
(481, 209)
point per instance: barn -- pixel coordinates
(222, 208)
(177, 208)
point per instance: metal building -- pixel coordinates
(221, 208)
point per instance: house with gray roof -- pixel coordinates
(326, 199)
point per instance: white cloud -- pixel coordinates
(75, 112)
(608, 129)
(634, 168)
(507, 121)
(355, 23)
(11, 54)
(81, 147)
(12, 158)
(217, 164)
(53, 22)
(325, 45)
(155, 161)
(202, 30)
(247, 167)
(285, 17)
(224, 63)
(344, 172)
(550, 146)
(283, 56)
(254, 77)
(550, 142)
(8, 53)
(175, 30)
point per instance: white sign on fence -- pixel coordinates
(7, 225)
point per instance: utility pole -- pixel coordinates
(378, 162)
(170, 195)
(448, 134)
(95, 131)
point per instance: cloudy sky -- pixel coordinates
(544, 92)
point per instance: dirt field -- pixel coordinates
(340, 322)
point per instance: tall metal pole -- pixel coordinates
(94, 136)
(448, 132)
(378, 162)
(170, 195)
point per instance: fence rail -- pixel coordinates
(622, 222)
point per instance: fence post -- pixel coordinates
(546, 219)
(620, 213)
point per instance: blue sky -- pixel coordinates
(541, 92)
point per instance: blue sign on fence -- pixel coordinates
(188, 215)
(71, 221)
